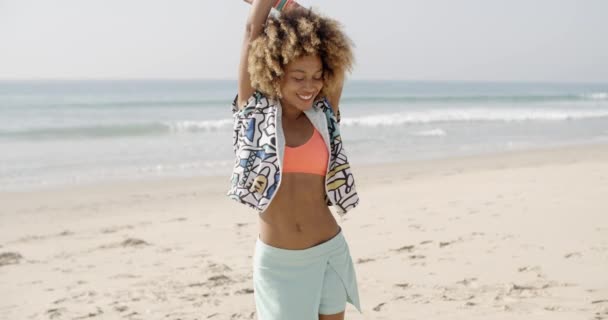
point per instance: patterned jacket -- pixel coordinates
(259, 146)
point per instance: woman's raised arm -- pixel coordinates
(255, 23)
(334, 95)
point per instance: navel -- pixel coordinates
(298, 227)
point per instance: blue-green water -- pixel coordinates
(66, 132)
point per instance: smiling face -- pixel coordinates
(302, 82)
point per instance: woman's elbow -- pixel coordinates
(248, 29)
(251, 32)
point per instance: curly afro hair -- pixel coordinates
(294, 34)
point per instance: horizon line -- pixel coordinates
(51, 79)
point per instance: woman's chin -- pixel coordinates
(306, 107)
(301, 104)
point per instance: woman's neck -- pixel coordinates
(291, 113)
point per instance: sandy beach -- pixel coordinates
(519, 235)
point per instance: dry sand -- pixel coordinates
(521, 235)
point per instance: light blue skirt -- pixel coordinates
(301, 284)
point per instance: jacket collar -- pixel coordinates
(316, 117)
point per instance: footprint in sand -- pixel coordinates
(7, 258)
(31, 238)
(467, 281)
(553, 308)
(244, 291)
(196, 284)
(219, 280)
(528, 268)
(416, 256)
(536, 269)
(129, 242)
(455, 294)
(364, 260)
(55, 312)
(43, 237)
(116, 228)
(121, 308)
(58, 301)
(132, 242)
(379, 306)
(572, 255)
(444, 243)
(97, 312)
(218, 268)
(407, 248)
(524, 291)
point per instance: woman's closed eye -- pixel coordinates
(302, 79)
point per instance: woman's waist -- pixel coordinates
(273, 256)
(296, 229)
(285, 212)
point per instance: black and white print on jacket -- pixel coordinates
(256, 174)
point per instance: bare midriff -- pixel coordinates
(298, 217)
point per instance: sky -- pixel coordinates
(467, 40)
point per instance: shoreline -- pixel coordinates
(383, 168)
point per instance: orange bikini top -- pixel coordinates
(311, 157)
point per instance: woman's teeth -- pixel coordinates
(305, 97)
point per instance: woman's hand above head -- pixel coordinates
(288, 6)
(253, 28)
(335, 94)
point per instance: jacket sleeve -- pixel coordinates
(327, 105)
(251, 102)
(240, 116)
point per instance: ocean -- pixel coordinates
(57, 133)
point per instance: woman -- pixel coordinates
(290, 164)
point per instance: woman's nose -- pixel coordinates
(309, 84)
